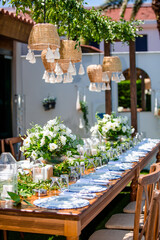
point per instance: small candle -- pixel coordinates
(37, 177)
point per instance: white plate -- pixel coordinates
(61, 202)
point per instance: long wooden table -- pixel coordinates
(68, 222)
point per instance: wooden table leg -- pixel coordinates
(4, 235)
(158, 156)
(134, 186)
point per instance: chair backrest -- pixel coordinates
(153, 229)
(12, 142)
(146, 183)
(2, 149)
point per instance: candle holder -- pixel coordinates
(8, 175)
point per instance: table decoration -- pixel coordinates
(8, 175)
(53, 140)
(112, 128)
(40, 192)
(61, 202)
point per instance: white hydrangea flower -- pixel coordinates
(69, 153)
(62, 126)
(56, 128)
(47, 133)
(52, 122)
(52, 146)
(34, 155)
(63, 140)
(68, 131)
(124, 129)
(94, 129)
(73, 137)
(26, 142)
(106, 116)
(42, 141)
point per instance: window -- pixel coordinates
(141, 44)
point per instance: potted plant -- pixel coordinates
(49, 103)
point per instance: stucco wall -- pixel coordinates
(35, 90)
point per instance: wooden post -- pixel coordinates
(143, 93)
(133, 87)
(108, 97)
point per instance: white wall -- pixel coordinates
(35, 90)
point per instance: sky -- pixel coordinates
(92, 2)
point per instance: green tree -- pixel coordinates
(75, 21)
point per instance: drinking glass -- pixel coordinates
(73, 176)
(81, 169)
(64, 181)
(56, 181)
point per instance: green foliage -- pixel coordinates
(18, 199)
(75, 21)
(84, 109)
(124, 94)
(26, 185)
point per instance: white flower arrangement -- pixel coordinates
(112, 127)
(52, 140)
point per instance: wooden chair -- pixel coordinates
(130, 207)
(152, 225)
(12, 143)
(153, 230)
(119, 225)
(2, 149)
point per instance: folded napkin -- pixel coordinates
(78, 195)
(92, 181)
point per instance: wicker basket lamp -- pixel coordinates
(50, 67)
(111, 64)
(69, 51)
(42, 36)
(95, 73)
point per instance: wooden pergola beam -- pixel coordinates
(14, 29)
(108, 97)
(133, 87)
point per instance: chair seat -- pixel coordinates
(131, 207)
(112, 234)
(123, 221)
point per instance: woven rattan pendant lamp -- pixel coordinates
(69, 55)
(97, 81)
(112, 67)
(43, 36)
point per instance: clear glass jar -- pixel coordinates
(8, 175)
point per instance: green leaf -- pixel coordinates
(15, 197)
